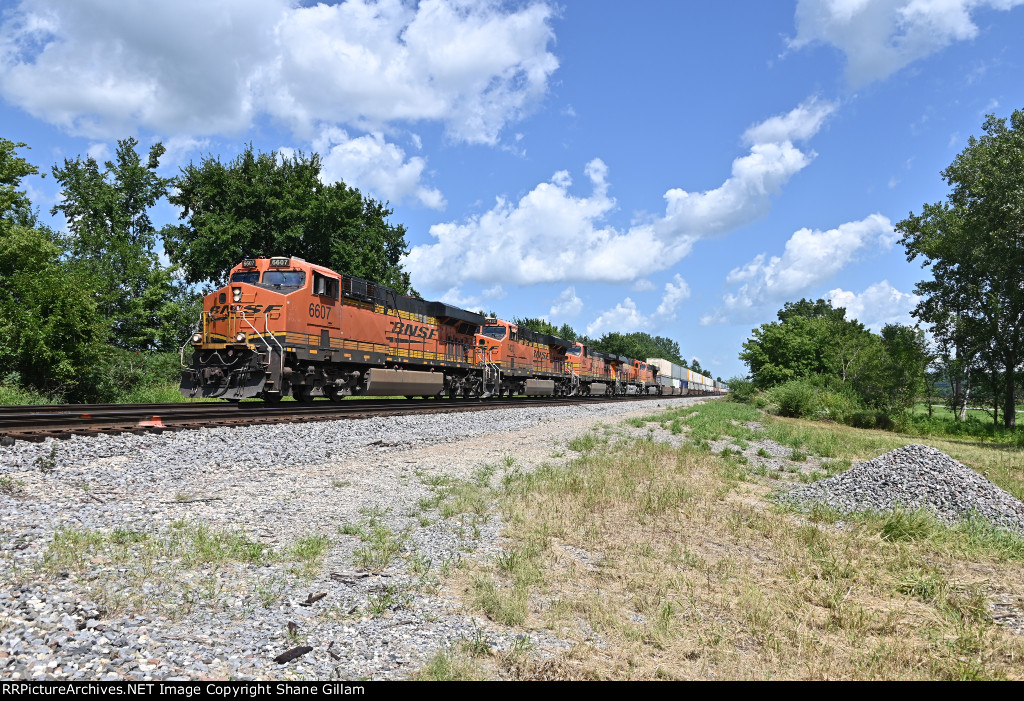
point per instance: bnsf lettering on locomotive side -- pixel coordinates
(401, 329)
(319, 311)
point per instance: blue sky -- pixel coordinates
(680, 168)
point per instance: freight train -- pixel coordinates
(284, 327)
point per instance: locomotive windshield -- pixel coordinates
(575, 350)
(284, 278)
(495, 332)
(249, 276)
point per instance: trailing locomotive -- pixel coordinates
(282, 326)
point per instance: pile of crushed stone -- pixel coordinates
(912, 477)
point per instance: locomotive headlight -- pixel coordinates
(197, 338)
(236, 294)
(240, 336)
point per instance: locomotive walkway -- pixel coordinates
(39, 422)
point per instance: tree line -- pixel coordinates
(972, 304)
(89, 313)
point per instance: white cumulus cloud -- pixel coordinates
(101, 68)
(625, 317)
(878, 305)
(810, 257)
(553, 235)
(676, 292)
(371, 163)
(879, 37)
(455, 297)
(496, 293)
(567, 305)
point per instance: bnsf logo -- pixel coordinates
(319, 311)
(412, 330)
(248, 309)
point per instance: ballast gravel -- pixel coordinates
(915, 476)
(142, 606)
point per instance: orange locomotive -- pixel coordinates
(282, 326)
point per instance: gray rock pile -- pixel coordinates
(915, 476)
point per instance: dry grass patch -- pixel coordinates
(668, 563)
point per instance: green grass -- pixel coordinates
(134, 570)
(450, 665)
(380, 543)
(309, 551)
(13, 396)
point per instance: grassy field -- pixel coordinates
(661, 562)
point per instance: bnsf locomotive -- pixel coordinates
(282, 326)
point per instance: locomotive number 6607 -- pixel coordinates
(319, 311)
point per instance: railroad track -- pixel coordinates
(39, 422)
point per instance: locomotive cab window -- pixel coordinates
(574, 351)
(248, 276)
(325, 286)
(495, 332)
(293, 279)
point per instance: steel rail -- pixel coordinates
(38, 422)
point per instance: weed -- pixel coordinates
(763, 453)
(309, 551)
(9, 485)
(521, 645)
(798, 455)
(478, 645)
(351, 529)
(586, 443)
(449, 563)
(381, 546)
(268, 590)
(419, 563)
(450, 665)
(47, 463)
(340, 483)
(390, 598)
(505, 605)
(907, 525)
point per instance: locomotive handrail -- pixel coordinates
(266, 327)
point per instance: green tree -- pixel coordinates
(113, 243)
(893, 368)
(263, 204)
(974, 245)
(639, 345)
(15, 207)
(809, 339)
(50, 329)
(568, 333)
(538, 325)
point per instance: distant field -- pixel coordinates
(940, 410)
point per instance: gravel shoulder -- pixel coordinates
(201, 554)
